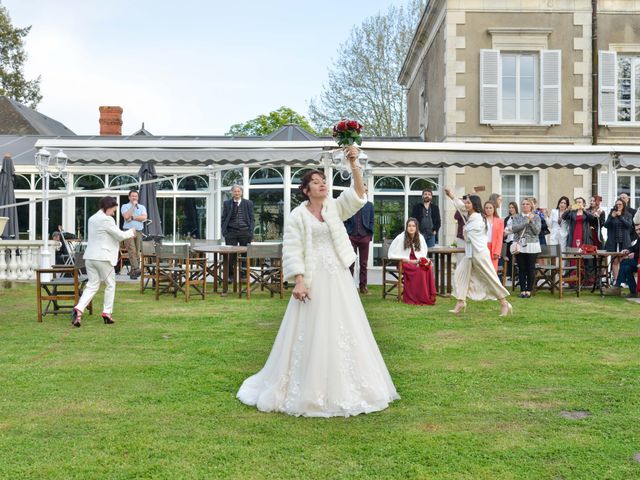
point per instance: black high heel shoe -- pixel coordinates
(108, 320)
(76, 316)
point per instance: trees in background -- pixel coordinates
(266, 124)
(13, 84)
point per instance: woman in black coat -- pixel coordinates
(619, 225)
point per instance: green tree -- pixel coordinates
(363, 81)
(266, 124)
(13, 84)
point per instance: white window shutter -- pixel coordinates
(603, 186)
(607, 73)
(550, 87)
(489, 78)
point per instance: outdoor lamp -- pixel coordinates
(42, 159)
(61, 161)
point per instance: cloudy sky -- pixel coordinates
(183, 67)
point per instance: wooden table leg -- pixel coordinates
(443, 287)
(225, 274)
(448, 267)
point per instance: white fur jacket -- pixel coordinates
(398, 252)
(297, 240)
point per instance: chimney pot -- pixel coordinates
(110, 120)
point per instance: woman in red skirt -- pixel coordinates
(419, 283)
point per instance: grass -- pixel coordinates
(482, 398)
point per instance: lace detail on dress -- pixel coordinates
(324, 254)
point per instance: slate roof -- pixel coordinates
(18, 119)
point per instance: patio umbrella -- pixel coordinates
(7, 197)
(148, 199)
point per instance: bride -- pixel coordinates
(324, 361)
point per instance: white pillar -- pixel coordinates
(3, 263)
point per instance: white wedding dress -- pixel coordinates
(324, 361)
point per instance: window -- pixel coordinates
(629, 184)
(619, 99)
(118, 182)
(520, 87)
(516, 187)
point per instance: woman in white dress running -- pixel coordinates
(325, 361)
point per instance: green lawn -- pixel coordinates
(482, 397)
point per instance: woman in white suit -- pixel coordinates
(101, 255)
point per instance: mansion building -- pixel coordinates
(499, 94)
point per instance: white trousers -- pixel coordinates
(99, 271)
(476, 278)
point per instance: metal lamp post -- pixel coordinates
(48, 170)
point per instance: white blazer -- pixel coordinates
(104, 237)
(398, 252)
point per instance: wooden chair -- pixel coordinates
(123, 257)
(260, 267)
(147, 266)
(504, 268)
(392, 278)
(570, 273)
(214, 268)
(64, 284)
(177, 271)
(548, 273)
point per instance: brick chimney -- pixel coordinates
(110, 120)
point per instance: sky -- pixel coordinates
(182, 67)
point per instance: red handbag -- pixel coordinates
(589, 249)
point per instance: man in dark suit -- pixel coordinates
(428, 216)
(237, 221)
(360, 230)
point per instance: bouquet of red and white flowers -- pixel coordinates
(347, 132)
(424, 263)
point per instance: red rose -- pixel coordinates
(352, 124)
(342, 126)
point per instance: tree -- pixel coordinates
(363, 81)
(13, 84)
(266, 124)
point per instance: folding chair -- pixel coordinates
(147, 266)
(260, 267)
(547, 274)
(504, 268)
(214, 268)
(66, 284)
(392, 278)
(177, 271)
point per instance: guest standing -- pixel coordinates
(360, 231)
(237, 223)
(508, 230)
(475, 276)
(100, 256)
(134, 215)
(619, 226)
(419, 282)
(629, 266)
(495, 232)
(428, 215)
(526, 227)
(558, 226)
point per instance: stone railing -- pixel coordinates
(19, 259)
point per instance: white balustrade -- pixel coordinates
(19, 259)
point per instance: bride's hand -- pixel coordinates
(300, 292)
(352, 153)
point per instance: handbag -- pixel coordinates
(515, 248)
(544, 229)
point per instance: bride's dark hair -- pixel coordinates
(415, 241)
(306, 180)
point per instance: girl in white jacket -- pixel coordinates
(418, 280)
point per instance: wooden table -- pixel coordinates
(603, 269)
(577, 278)
(226, 251)
(442, 267)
